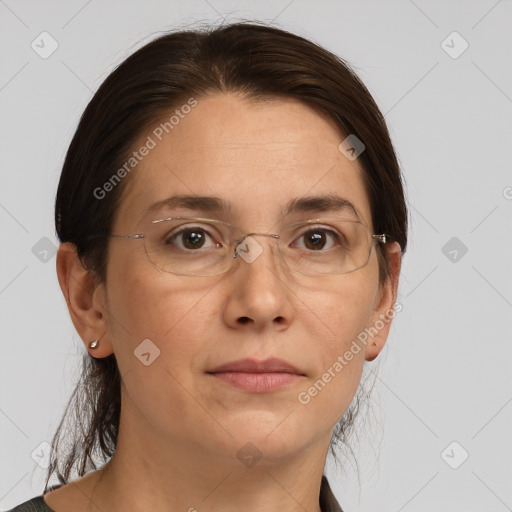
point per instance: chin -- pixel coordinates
(269, 434)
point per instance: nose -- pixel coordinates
(259, 289)
(248, 248)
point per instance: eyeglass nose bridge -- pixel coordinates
(236, 251)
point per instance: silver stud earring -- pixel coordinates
(94, 344)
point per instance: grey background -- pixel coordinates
(444, 375)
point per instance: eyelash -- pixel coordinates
(337, 237)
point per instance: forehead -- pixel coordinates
(257, 157)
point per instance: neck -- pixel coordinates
(150, 473)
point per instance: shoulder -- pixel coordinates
(36, 504)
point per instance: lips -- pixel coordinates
(252, 376)
(257, 382)
(272, 365)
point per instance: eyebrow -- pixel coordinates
(309, 204)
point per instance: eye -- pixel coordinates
(190, 238)
(316, 239)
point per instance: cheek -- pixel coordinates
(167, 311)
(145, 304)
(339, 309)
(337, 314)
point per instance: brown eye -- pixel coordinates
(316, 239)
(190, 238)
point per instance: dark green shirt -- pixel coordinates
(328, 502)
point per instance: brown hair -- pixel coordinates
(255, 60)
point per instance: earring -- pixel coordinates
(94, 344)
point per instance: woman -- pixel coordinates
(232, 221)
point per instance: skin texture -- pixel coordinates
(180, 428)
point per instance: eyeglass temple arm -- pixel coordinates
(137, 235)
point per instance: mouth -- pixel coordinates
(257, 376)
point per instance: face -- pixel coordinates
(258, 156)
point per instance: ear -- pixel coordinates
(384, 307)
(85, 299)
